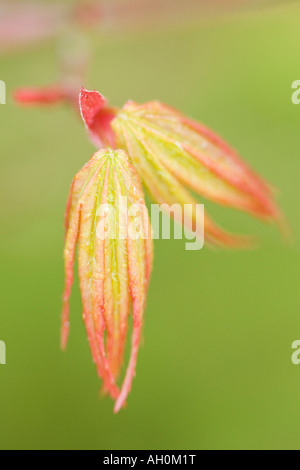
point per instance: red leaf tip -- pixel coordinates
(90, 103)
(39, 96)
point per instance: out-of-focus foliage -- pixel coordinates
(23, 22)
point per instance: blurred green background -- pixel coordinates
(215, 370)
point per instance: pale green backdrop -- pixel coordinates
(215, 370)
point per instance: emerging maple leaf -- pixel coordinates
(106, 215)
(176, 156)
